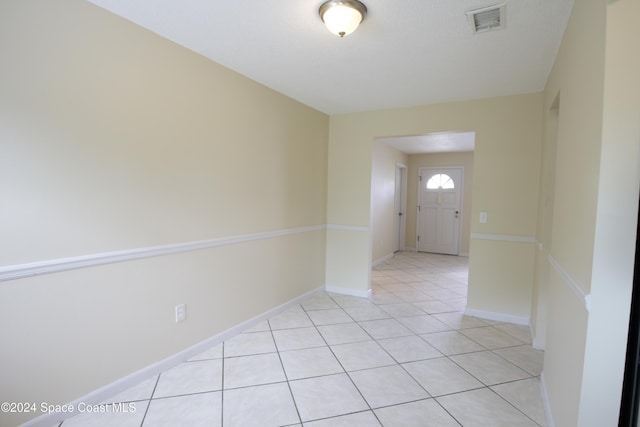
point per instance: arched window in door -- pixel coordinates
(440, 180)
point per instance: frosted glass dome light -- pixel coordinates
(342, 17)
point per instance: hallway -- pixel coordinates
(408, 357)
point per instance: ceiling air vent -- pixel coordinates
(488, 18)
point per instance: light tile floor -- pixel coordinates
(407, 357)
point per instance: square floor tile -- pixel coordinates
(386, 328)
(434, 306)
(249, 343)
(458, 304)
(384, 297)
(409, 349)
(310, 362)
(290, 319)
(396, 286)
(362, 355)
(424, 413)
(386, 386)
(423, 324)
(359, 419)
(259, 406)
(481, 408)
(252, 370)
(141, 391)
(452, 342)
(423, 286)
(489, 368)
(319, 302)
(526, 396)
(385, 280)
(413, 296)
(294, 339)
(491, 337)
(525, 357)
(342, 334)
(523, 333)
(401, 309)
(441, 376)
(366, 312)
(443, 294)
(197, 410)
(458, 320)
(351, 301)
(190, 377)
(328, 396)
(329, 317)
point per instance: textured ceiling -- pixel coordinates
(405, 53)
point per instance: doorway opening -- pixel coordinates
(396, 161)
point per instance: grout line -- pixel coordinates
(149, 400)
(222, 385)
(284, 371)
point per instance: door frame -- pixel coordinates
(461, 210)
(400, 218)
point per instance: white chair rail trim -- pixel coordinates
(20, 271)
(503, 237)
(571, 282)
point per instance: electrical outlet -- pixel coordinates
(181, 313)
(483, 217)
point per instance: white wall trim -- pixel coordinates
(545, 401)
(500, 317)
(347, 227)
(504, 237)
(348, 291)
(20, 271)
(534, 340)
(100, 395)
(383, 259)
(572, 283)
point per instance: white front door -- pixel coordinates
(439, 210)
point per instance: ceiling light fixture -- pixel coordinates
(342, 17)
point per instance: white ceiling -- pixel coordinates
(443, 142)
(405, 53)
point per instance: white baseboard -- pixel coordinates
(464, 254)
(100, 395)
(348, 291)
(535, 343)
(382, 260)
(499, 317)
(545, 402)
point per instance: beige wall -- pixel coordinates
(383, 181)
(416, 161)
(505, 184)
(575, 84)
(114, 139)
(595, 206)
